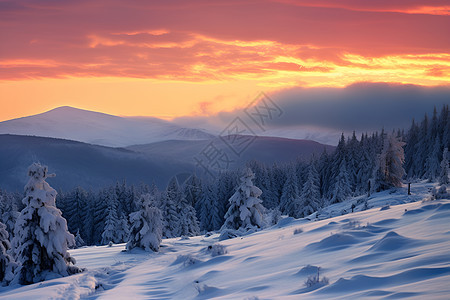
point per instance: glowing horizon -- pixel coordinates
(199, 58)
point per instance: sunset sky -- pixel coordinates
(188, 58)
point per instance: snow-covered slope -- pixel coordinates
(98, 128)
(400, 251)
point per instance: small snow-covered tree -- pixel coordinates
(443, 176)
(390, 164)
(146, 226)
(7, 263)
(79, 242)
(41, 238)
(246, 210)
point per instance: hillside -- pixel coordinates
(78, 164)
(262, 149)
(385, 252)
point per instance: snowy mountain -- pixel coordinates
(99, 128)
(398, 248)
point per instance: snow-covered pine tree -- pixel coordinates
(443, 175)
(171, 217)
(9, 211)
(410, 150)
(209, 210)
(7, 263)
(289, 201)
(41, 238)
(246, 211)
(123, 229)
(192, 190)
(74, 209)
(188, 223)
(88, 217)
(342, 188)
(432, 162)
(79, 242)
(310, 197)
(99, 213)
(110, 230)
(146, 226)
(390, 164)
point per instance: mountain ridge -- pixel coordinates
(92, 127)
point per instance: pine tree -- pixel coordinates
(410, 150)
(289, 201)
(74, 209)
(79, 242)
(193, 190)
(100, 212)
(146, 226)
(188, 223)
(110, 230)
(245, 210)
(209, 209)
(432, 163)
(342, 188)
(7, 263)
(310, 198)
(122, 230)
(443, 175)
(171, 218)
(88, 216)
(41, 237)
(9, 211)
(390, 164)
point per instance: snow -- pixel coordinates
(372, 254)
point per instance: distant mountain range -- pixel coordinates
(99, 128)
(94, 166)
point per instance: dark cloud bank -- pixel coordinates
(360, 107)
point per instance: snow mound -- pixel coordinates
(392, 241)
(337, 241)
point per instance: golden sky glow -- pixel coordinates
(202, 57)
